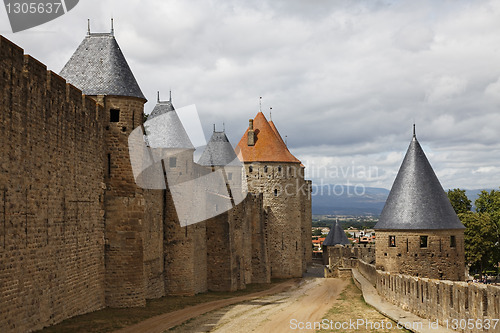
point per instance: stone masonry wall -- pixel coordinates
(438, 260)
(152, 235)
(464, 307)
(280, 185)
(124, 205)
(51, 196)
(236, 247)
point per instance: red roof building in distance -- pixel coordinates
(263, 143)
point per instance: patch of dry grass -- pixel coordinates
(350, 309)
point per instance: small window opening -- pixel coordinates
(423, 241)
(114, 115)
(172, 162)
(392, 241)
(453, 241)
(275, 193)
(250, 169)
(265, 168)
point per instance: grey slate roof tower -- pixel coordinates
(336, 236)
(418, 232)
(164, 129)
(98, 67)
(219, 152)
(417, 199)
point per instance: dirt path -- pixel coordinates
(164, 322)
(306, 302)
(303, 300)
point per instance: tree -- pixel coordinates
(481, 246)
(461, 204)
(489, 202)
(316, 232)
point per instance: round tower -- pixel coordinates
(100, 70)
(183, 241)
(418, 232)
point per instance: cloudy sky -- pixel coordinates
(345, 79)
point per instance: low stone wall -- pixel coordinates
(368, 271)
(464, 307)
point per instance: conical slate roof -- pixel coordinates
(269, 147)
(336, 236)
(98, 67)
(219, 152)
(417, 200)
(164, 129)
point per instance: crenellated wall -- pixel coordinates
(51, 196)
(451, 303)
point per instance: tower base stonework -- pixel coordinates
(440, 257)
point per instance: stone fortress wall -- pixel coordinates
(51, 196)
(453, 302)
(76, 233)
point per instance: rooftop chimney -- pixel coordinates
(251, 133)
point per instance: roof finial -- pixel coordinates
(112, 28)
(223, 127)
(260, 103)
(88, 27)
(214, 128)
(271, 114)
(170, 98)
(414, 134)
(158, 92)
(286, 139)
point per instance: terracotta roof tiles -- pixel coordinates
(269, 146)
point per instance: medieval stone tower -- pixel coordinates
(183, 244)
(418, 232)
(272, 170)
(100, 70)
(336, 236)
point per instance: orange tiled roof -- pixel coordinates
(269, 146)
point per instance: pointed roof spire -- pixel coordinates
(417, 200)
(260, 104)
(336, 236)
(112, 28)
(414, 134)
(98, 67)
(165, 128)
(170, 96)
(270, 114)
(161, 107)
(88, 27)
(268, 147)
(219, 152)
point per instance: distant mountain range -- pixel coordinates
(350, 200)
